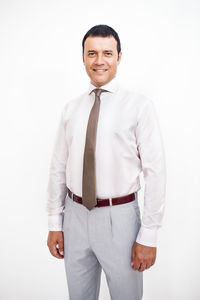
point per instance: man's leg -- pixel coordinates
(82, 268)
(115, 231)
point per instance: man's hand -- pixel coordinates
(56, 238)
(143, 257)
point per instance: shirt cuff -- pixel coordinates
(55, 223)
(147, 237)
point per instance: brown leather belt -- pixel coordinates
(105, 202)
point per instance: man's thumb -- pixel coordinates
(61, 247)
(132, 256)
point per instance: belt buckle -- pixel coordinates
(110, 202)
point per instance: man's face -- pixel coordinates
(101, 59)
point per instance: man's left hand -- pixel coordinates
(143, 257)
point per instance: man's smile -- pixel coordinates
(99, 71)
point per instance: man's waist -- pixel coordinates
(106, 201)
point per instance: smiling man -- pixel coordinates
(101, 59)
(105, 139)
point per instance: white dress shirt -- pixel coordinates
(128, 142)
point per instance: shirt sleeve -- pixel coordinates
(151, 152)
(57, 190)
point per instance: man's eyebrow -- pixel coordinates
(103, 51)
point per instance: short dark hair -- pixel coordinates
(103, 31)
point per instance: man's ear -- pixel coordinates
(83, 57)
(119, 57)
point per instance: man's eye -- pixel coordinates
(109, 53)
(91, 54)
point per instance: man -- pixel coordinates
(93, 212)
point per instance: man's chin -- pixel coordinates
(99, 82)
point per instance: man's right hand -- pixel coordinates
(55, 243)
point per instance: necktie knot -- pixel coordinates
(99, 91)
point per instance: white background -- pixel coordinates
(40, 70)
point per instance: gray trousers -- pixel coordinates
(101, 238)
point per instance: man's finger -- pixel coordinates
(148, 265)
(136, 264)
(133, 258)
(142, 267)
(61, 247)
(54, 251)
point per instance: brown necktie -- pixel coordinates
(89, 170)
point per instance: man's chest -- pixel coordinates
(116, 120)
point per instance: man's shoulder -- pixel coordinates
(73, 103)
(137, 97)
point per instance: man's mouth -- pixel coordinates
(100, 71)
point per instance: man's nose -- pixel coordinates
(99, 60)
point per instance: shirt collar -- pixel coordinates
(112, 86)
